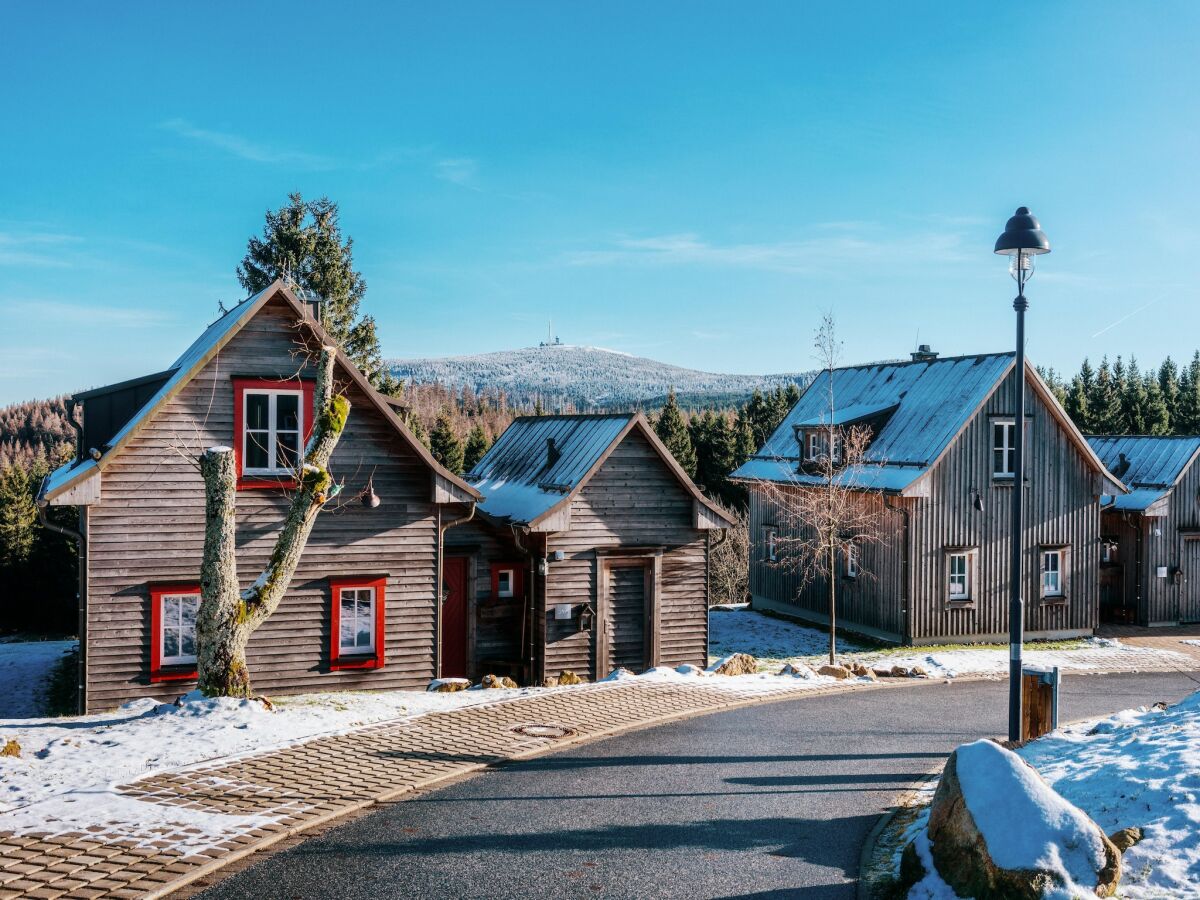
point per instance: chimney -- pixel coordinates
(552, 452)
(923, 354)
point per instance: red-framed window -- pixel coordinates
(272, 421)
(357, 633)
(508, 580)
(173, 611)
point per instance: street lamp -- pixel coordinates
(1022, 240)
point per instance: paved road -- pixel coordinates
(773, 800)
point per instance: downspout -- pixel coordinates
(80, 538)
(442, 528)
(905, 568)
(78, 426)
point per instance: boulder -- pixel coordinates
(899, 672)
(800, 671)
(838, 672)
(550, 681)
(448, 685)
(917, 672)
(10, 748)
(738, 664)
(882, 673)
(995, 825)
(1126, 838)
(497, 681)
(569, 677)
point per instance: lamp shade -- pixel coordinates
(1023, 232)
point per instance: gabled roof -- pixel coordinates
(1152, 465)
(202, 350)
(524, 482)
(924, 404)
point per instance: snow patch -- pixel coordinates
(25, 668)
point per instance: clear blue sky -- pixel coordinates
(689, 181)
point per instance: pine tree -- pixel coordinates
(792, 396)
(743, 442)
(1105, 401)
(478, 443)
(18, 518)
(418, 430)
(445, 445)
(1133, 399)
(302, 242)
(1187, 420)
(1156, 417)
(1076, 404)
(1168, 385)
(672, 430)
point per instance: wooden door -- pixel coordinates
(1189, 586)
(1112, 596)
(454, 617)
(627, 625)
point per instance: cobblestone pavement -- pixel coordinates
(285, 791)
(273, 795)
(1174, 637)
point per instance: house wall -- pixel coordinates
(633, 501)
(1166, 601)
(872, 604)
(149, 528)
(1061, 508)
(496, 626)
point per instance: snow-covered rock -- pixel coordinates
(736, 664)
(998, 831)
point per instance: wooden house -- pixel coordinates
(589, 552)
(361, 611)
(937, 474)
(1150, 557)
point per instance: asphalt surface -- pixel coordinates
(769, 800)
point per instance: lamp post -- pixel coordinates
(1022, 240)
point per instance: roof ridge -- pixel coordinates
(915, 362)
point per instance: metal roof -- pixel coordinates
(519, 479)
(1154, 463)
(932, 399)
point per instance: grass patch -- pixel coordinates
(61, 697)
(1068, 644)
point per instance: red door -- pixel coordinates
(454, 617)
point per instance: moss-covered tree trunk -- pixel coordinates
(229, 615)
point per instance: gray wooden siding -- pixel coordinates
(872, 602)
(1163, 601)
(149, 528)
(1061, 509)
(633, 501)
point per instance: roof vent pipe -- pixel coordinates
(552, 452)
(923, 354)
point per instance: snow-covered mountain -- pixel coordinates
(589, 377)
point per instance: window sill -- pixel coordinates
(1055, 601)
(1000, 481)
(371, 661)
(186, 672)
(960, 604)
(265, 482)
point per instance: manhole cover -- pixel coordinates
(553, 732)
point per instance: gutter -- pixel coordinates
(440, 582)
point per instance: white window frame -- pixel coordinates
(1057, 575)
(510, 590)
(1007, 447)
(850, 565)
(179, 659)
(355, 649)
(772, 543)
(817, 442)
(814, 447)
(966, 577)
(273, 431)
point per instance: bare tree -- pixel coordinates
(229, 615)
(729, 562)
(826, 512)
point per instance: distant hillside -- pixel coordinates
(588, 377)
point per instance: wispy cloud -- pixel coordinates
(32, 248)
(834, 248)
(244, 148)
(460, 170)
(96, 314)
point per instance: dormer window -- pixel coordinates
(817, 442)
